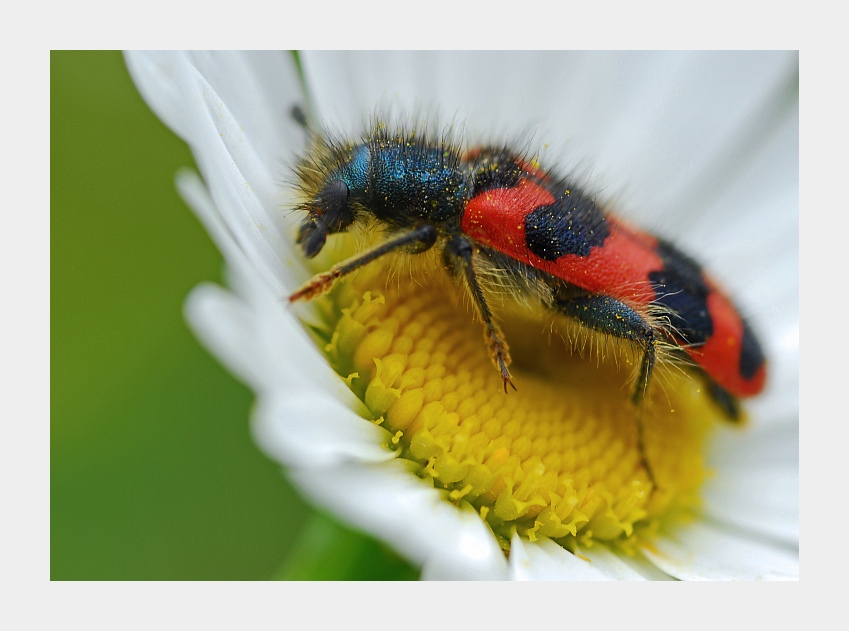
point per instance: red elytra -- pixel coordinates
(620, 269)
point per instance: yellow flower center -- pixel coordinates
(557, 458)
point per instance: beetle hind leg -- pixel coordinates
(640, 390)
(608, 315)
(726, 401)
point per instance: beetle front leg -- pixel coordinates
(416, 241)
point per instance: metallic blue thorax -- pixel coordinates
(401, 182)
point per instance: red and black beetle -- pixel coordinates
(491, 208)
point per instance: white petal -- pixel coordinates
(264, 344)
(680, 125)
(194, 192)
(232, 109)
(239, 146)
(749, 239)
(701, 551)
(258, 87)
(779, 403)
(648, 122)
(544, 560)
(623, 567)
(751, 221)
(267, 348)
(225, 325)
(310, 429)
(449, 543)
(757, 485)
(156, 75)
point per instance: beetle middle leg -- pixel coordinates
(608, 315)
(461, 252)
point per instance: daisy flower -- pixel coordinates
(380, 401)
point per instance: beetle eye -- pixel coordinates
(332, 204)
(329, 213)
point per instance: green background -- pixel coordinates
(154, 474)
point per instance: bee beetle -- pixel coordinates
(491, 208)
